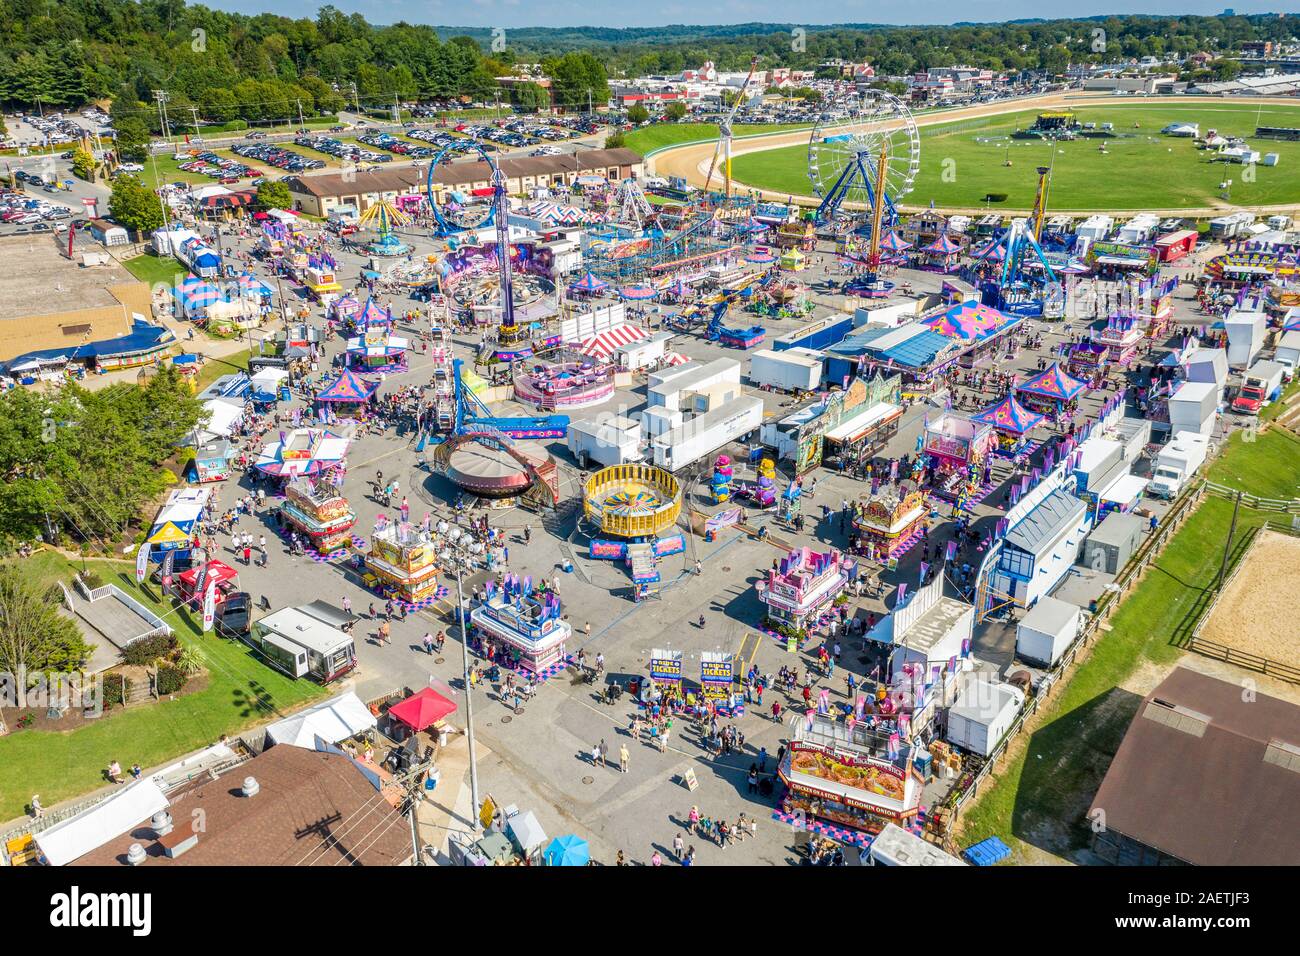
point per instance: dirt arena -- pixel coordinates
(1257, 611)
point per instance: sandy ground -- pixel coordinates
(692, 162)
(1256, 611)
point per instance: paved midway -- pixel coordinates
(691, 160)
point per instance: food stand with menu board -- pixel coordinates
(402, 561)
(318, 510)
(844, 785)
(804, 583)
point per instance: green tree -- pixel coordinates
(132, 139)
(135, 206)
(615, 140)
(272, 194)
(576, 79)
(34, 636)
(675, 111)
(83, 164)
(637, 114)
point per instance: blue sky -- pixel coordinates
(507, 13)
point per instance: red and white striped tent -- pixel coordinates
(675, 358)
(603, 344)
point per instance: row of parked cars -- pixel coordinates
(392, 144)
(339, 149)
(30, 214)
(444, 140)
(277, 156)
(220, 168)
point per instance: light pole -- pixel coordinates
(462, 550)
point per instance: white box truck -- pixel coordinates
(792, 369)
(1288, 353)
(1193, 408)
(700, 436)
(1177, 462)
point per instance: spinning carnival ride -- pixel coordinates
(382, 217)
(866, 161)
(460, 212)
(637, 506)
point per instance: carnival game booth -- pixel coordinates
(886, 525)
(348, 396)
(563, 384)
(838, 787)
(317, 510)
(1121, 336)
(302, 452)
(956, 448)
(343, 310)
(357, 320)
(1012, 423)
(1086, 360)
(803, 586)
(1050, 391)
(212, 461)
(941, 255)
(528, 621)
(401, 563)
(376, 349)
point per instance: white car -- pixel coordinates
(131, 168)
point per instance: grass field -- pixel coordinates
(962, 162)
(241, 691)
(658, 135)
(151, 268)
(1041, 795)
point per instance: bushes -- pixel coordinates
(116, 689)
(149, 649)
(170, 680)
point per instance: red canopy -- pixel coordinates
(422, 709)
(218, 572)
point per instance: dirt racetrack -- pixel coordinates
(1256, 612)
(692, 161)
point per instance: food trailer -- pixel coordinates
(401, 563)
(529, 622)
(803, 585)
(318, 510)
(887, 525)
(957, 447)
(304, 642)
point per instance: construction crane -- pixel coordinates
(724, 136)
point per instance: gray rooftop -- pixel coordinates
(1053, 514)
(1050, 616)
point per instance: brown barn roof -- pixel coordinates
(1207, 777)
(314, 809)
(458, 173)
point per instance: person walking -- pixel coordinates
(752, 778)
(623, 757)
(597, 758)
(427, 640)
(248, 554)
(347, 605)
(38, 811)
(679, 847)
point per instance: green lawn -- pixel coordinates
(962, 162)
(658, 135)
(153, 269)
(1040, 797)
(241, 692)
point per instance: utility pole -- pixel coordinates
(194, 111)
(161, 97)
(1227, 545)
(301, 124)
(356, 103)
(397, 111)
(589, 102)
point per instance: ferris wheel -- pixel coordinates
(868, 157)
(458, 212)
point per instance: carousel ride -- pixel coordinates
(633, 506)
(382, 217)
(565, 382)
(866, 162)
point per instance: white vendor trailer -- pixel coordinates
(608, 440)
(793, 369)
(704, 434)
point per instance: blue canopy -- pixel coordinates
(567, 851)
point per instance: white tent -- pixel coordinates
(332, 720)
(221, 421)
(124, 810)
